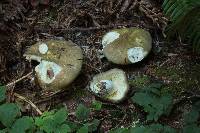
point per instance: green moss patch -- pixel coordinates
(180, 77)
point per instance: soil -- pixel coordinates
(85, 22)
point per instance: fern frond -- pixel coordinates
(185, 18)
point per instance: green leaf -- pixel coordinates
(140, 129)
(6, 130)
(120, 130)
(22, 125)
(96, 105)
(184, 15)
(83, 129)
(2, 93)
(39, 131)
(60, 116)
(93, 125)
(153, 101)
(73, 126)
(82, 112)
(64, 128)
(153, 128)
(191, 117)
(51, 121)
(191, 129)
(8, 113)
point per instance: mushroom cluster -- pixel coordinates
(60, 63)
(127, 45)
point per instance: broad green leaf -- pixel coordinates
(168, 129)
(8, 113)
(191, 129)
(140, 129)
(64, 128)
(73, 126)
(82, 112)
(53, 121)
(2, 93)
(120, 130)
(191, 117)
(83, 129)
(93, 125)
(153, 128)
(60, 116)
(22, 125)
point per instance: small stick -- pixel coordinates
(18, 80)
(29, 102)
(40, 29)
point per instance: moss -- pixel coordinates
(77, 93)
(140, 81)
(179, 79)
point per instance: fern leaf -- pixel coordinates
(167, 5)
(185, 17)
(171, 8)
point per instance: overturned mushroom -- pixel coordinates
(111, 85)
(127, 45)
(60, 63)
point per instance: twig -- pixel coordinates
(121, 121)
(40, 29)
(29, 102)
(18, 80)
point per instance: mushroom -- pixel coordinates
(127, 45)
(60, 63)
(111, 85)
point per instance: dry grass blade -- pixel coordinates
(29, 102)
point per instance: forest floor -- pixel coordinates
(22, 24)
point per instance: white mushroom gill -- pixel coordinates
(136, 54)
(47, 71)
(103, 84)
(110, 37)
(43, 48)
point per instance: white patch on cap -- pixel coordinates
(109, 37)
(96, 87)
(136, 54)
(43, 48)
(47, 71)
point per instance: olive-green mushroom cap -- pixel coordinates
(127, 45)
(111, 85)
(60, 63)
